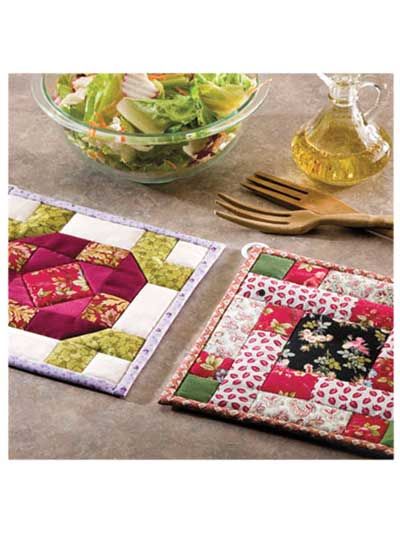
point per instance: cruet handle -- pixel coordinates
(380, 91)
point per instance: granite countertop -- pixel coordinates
(49, 419)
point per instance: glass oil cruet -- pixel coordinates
(341, 145)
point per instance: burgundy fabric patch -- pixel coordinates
(278, 319)
(290, 382)
(59, 242)
(95, 275)
(373, 314)
(371, 428)
(306, 274)
(44, 258)
(208, 366)
(17, 291)
(60, 326)
(125, 285)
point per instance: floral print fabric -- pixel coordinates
(307, 274)
(289, 382)
(373, 315)
(103, 254)
(279, 320)
(234, 327)
(57, 284)
(335, 349)
(19, 315)
(301, 412)
(18, 254)
(104, 309)
(359, 286)
(211, 366)
(371, 428)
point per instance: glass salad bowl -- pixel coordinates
(149, 158)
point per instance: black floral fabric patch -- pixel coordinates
(341, 350)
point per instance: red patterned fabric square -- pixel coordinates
(381, 374)
(306, 274)
(372, 314)
(56, 284)
(288, 382)
(214, 366)
(279, 319)
(18, 254)
(371, 428)
(104, 309)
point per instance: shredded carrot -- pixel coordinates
(170, 163)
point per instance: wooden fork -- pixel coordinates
(292, 222)
(289, 194)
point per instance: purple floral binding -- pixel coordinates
(215, 249)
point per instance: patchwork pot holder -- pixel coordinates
(301, 345)
(90, 294)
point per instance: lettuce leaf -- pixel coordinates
(103, 95)
(64, 85)
(156, 116)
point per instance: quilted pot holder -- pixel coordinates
(301, 345)
(90, 294)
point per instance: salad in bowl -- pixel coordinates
(151, 127)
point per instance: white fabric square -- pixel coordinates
(102, 231)
(108, 367)
(29, 345)
(21, 208)
(187, 254)
(144, 312)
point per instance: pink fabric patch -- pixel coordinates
(59, 242)
(306, 274)
(373, 314)
(290, 382)
(17, 291)
(57, 284)
(95, 275)
(72, 308)
(105, 309)
(279, 320)
(44, 258)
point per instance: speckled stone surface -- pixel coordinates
(48, 419)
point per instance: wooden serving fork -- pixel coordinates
(289, 194)
(292, 222)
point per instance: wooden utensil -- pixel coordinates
(284, 192)
(292, 222)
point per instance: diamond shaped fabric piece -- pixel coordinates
(19, 316)
(56, 284)
(60, 326)
(60, 243)
(102, 254)
(104, 309)
(17, 291)
(18, 254)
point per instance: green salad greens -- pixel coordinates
(151, 104)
